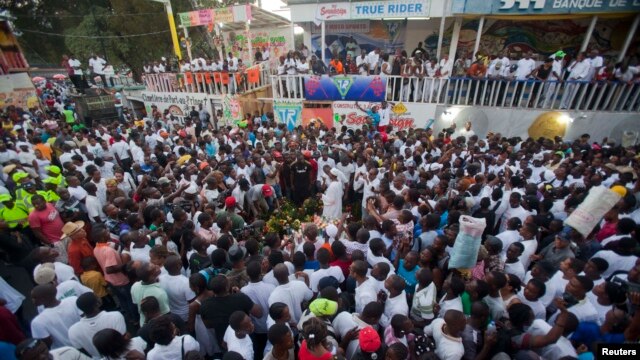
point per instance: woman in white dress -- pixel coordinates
(332, 198)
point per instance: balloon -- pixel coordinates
(620, 190)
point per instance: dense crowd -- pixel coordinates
(150, 239)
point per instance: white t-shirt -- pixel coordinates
(365, 293)
(55, 322)
(259, 293)
(98, 65)
(242, 346)
(179, 346)
(63, 271)
(559, 349)
(121, 149)
(616, 262)
(319, 274)
(75, 63)
(94, 208)
(293, 294)
(140, 254)
(525, 67)
(81, 333)
(447, 347)
(179, 293)
(70, 288)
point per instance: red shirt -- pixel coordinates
(10, 330)
(608, 229)
(48, 221)
(304, 353)
(108, 257)
(343, 265)
(76, 251)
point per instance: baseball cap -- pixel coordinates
(191, 190)
(323, 307)
(560, 53)
(267, 190)
(236, 253)
(369, 340)
(230, 202)
(9, 168)
(19, 176)
(163, 181)
(203, 165)
(45, 274)
(54, 169)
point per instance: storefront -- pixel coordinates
(545, 26)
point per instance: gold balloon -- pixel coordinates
(549, 125)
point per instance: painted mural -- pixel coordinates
(387, 35)
(541, 37)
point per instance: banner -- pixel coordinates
(403, 116)
(18, 90)
(317, 116)
(387, 35)
(543, 7)
(373, 9)
(336, 27)
(231, 109)
(288, 112)
(390, 9)
(349, 87)
(224, 15)
(196, 18)
(178, 104)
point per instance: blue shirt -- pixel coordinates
(409, 276)
(211, 149)
(589, 332)
(375, 117)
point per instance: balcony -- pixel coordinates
(529, 94)
(211, 83)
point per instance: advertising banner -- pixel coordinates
(403, 116)
(336, 27)
(178, 104)
(288, 112)
(231, 109)
(390, 9)
(543, 7)
(336, 11)
(349, 87)
(197, 18)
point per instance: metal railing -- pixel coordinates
(531, 94)
(212, 83)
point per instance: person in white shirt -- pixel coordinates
(98, 65)
(93, 320)
(451, 300)
(236, 337)
(447, 332)
(323, 256)
(366, 289)
(93, 204)
(396, 301)
(373, 59)
(578, 71)
(531, 295)
(526, 66)
(596, 62)
(575, 300)
(513, 265)
(168, 346)
(76, 78)
(292, 293)
(361, 63)
(53, 323)
(177, 287)
(258, 291)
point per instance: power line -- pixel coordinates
(94, 37)
(102, 15)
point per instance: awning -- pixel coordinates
(261, 19)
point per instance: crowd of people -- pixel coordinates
(147, 239)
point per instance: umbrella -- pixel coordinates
(38, 79)
(59, 76)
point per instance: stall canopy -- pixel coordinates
(234, 18)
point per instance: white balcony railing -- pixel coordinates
(574, 95)
(212, 83)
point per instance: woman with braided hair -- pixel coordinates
(315, 345)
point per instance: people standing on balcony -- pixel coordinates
(361, 63)
(335, 65)
(542, 74)
(290, 67)
(233, 61)
(281, 71)
(97, 65)
(578, 71)
(596, 61)
(265, 54)
(525, 69)
(373, 59)
(158, 68)
(350, 66)
(184, 66)
(406, 72)
(317, 66)
(76, 78)
(419, 72)
(477, 73)
(147, 68)
(554, 78)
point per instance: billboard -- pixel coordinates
(345, 87)
(403, 115)
(543, 7)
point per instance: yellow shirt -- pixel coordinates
(95, 281)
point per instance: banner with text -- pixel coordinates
(288, 112)
(178, 104)
(543, 7)
(237, 13)
(403, 116)
(336, 27)
(349, 87)
(373, 9)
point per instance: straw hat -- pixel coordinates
(71, 228)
